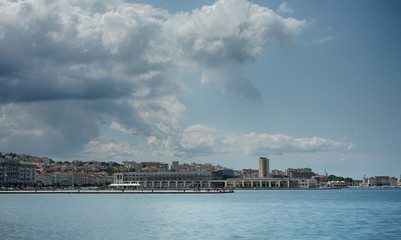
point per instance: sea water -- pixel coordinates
(244, 214)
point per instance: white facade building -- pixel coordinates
(307, 183)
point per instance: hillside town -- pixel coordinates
(26, 171)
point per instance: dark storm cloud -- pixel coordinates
(55, 52)
(29, 90)
(58, 128)
(69, 67)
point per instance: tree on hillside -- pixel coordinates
(334, 178)
(339, 178)
(348, 180)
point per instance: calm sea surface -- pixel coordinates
(271, 214)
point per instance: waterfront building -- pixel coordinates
(223, 174)
(98, 179)
(80, 179)
(255, 183)
(62, 179)
(16, 173)
(181, 178)
(91, 179)
(43, 179)
(263, 167)
(333, 184)
(165, 180)
(357, 183)
(381, 181)
(185, 180)
(307, 183)
(108, 179)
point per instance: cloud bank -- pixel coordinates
(200, 139)
(69, 68)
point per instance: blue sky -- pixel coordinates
(308, 84)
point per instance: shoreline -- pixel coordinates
(111, 192)
(157, 191)
(148, 191)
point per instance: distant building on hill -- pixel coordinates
(147, 166)
(305, 173)
(275, 173)
(250, 173)
(320, 178)
(175, 166)
(155, 166)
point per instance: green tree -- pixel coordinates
(348, 180)
(334, 178)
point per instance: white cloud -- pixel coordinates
(118, 127)
(284, 9)
(89, 49)
(67, 67)
(163, 115)
(326, 39)
(323, 40)
(200, 139)
(26, 133)
(228, 34)
(231, 80)
(263, 144)
(102, 148)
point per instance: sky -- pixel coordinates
(306, 83)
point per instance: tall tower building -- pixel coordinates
(263, 167)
